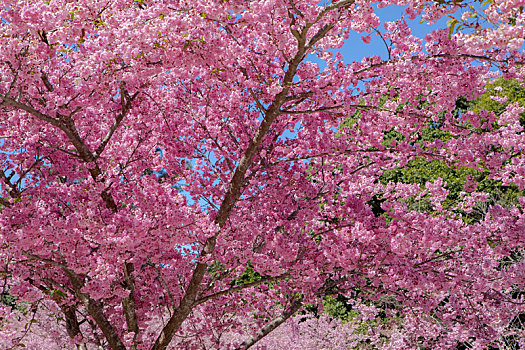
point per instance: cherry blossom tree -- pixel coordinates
(156, 154)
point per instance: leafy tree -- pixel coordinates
(177, 175)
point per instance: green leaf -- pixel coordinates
(158, 46)
(451, 23)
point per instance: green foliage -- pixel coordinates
(249, 275)
(512, 89)
(421, 170)
(338, 307)
(7, 299)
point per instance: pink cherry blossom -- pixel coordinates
(192, 174)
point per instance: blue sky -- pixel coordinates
(355, 49)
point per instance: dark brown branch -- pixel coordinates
(270, 326)
(296, 10)
(13, 191)
(335, 5)
(300, 96)
(5, 202)
(43, 36)
(10, 102)
(70, 316)
(437, 56)
(24, 173)
(329, 288)
(320, 109)
(61, 150)
(46, 82)
(95, 309)
(230, 198)
(257, 101)
(320, 34)
(72, 324)
(240, 287)
(441, 257)
(63, 122)
(128, 303)
(44, 260)
(125, 102)
(67, 125)
(384, 42)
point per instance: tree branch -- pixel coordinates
(46, 82)
(64, 123)
(320, 34)
(320, 109)
(95, 309)
(125, 102)
(44, 260)
(72, 324)
(10, 102)
(13, 191)
(230, 198)
(335, 5)
(128, 303)
(239, 288)
(270, 326)
(67, 125)
(5, 202)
